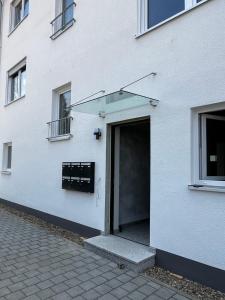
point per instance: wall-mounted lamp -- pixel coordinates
(98, 133)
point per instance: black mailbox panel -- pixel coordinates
(78, 176)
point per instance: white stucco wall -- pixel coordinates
(101, 52)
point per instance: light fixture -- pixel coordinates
(97, 133)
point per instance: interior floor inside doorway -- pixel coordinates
(137, 232)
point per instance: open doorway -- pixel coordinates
(130, 197)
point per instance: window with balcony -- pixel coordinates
(7, 158)
(64, 17)
(154, 12)
(19, 10)
(17, 82)
(60, 125)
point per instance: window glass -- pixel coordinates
(18, 13)
(67, 3)
(64, 113)
(160, 10)
(67, 16)
(14, 87)
(26, 8)
(23, 82)
(215, 143)
(64, 103)
(9, 157)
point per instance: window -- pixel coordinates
(64, 112)
(160, 10)
(154, 12)
(7, 157)
(17, 82)
(212, 147)
(209, 148)
(64, 17)
(61, 119)
(19, 10)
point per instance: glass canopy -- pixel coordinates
(111, 103)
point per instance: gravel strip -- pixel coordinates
(184, 285)
(180, 283)
(69, 235)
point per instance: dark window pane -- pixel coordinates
(9, 157)
(64, 113)
(26, 8)
(64, 103)
(215, 147)
(160, 10)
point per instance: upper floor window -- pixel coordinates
(64, 17)
(154, 12)
(17, 82)
(19, 10)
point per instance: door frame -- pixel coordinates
(109, 188)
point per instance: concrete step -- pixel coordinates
(125, 253)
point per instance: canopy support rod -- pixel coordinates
(150, 74)
(102, 91)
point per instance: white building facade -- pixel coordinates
(94, 46)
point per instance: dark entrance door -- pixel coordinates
(131, 184)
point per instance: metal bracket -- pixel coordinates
(154, 102)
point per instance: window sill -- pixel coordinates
(6, 172)
(13, 29)
(170, 19)
(209, 188)
(11, 102)
(60, 138)
(61, 31)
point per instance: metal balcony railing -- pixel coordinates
(59, 127)
(64, 20)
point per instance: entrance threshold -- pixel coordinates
(125, 253)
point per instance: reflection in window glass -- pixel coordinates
(23, 82)
(9, 157)
(67, 16)
(15, 87)
(26, 8)
(64, 103)
(18, 13)
(160, 10)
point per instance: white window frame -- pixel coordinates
(55, 105)
(5, 168)
(142, 9)
(56, 98)
(12, 14)
(16, 69)
(199, 146)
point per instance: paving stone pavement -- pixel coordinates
(36, 264)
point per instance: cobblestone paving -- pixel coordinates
(35, 264)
